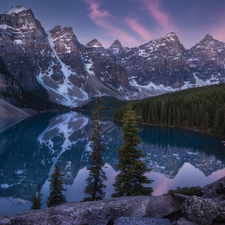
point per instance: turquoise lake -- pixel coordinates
(30, 149)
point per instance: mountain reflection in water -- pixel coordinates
(30, 149)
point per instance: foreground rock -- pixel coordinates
(162, 206)
(183, 221)
(141, 221)
(101, 212)
(215, 190)
(200, 211)
(138, 210)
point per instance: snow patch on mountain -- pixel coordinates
(16, 10)
(18, 42)
(170, 36)
(151, 86)
(160, 89)
(199, 82)
(66, 87)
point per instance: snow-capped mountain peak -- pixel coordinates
(208, 37)
(171, 36)
(116, 48)
(116, 44)
(93, 44)
(16, 9)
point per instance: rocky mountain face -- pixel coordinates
(207, 60)
(10, 89)
(73, 73)
(22, 39)
(55, 59)
(158, 62)
(164, 65)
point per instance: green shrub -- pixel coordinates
(190, 191)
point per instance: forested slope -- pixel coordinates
(196, 108)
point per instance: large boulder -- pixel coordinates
(215, 190)
(162, 206)
(141, 221)
(101, 212)
(199, 210)
(183, 221)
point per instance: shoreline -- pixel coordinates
(195, 130)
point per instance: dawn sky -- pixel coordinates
(133, 22)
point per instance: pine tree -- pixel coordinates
(34, 203)
(131, 178)
(39, 195)
(56, 187)
(95, 186)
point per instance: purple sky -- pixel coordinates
(133, 22)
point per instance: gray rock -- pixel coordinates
(221, 217)
(100, 212)
(102, 222)
(141, 221)
(199, 210)
(215, 189)
(180, 198)
(183, 221)
(161, 206)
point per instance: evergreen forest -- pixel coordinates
(201, 108)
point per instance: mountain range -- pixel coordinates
(54, 64)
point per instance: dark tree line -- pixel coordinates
(196, 108)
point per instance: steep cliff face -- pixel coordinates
(107, 70)
(68, 49)
(84, 70)
(54, 59)
(116, 51)
(23, 41)
(207, 60)
(165, 65)
(158, 62)
(10, 89)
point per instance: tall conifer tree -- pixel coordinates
(56, 187)
(95, 186)
(37, 201)
(34, 203)
(131, 178)
(39, 195)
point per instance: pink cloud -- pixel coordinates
(154, 7)
(218, 31)
(132, 23)
(123, 36)
(102, 19)
(96, 15)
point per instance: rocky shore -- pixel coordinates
(135, 210)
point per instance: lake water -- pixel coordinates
(30, 149)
